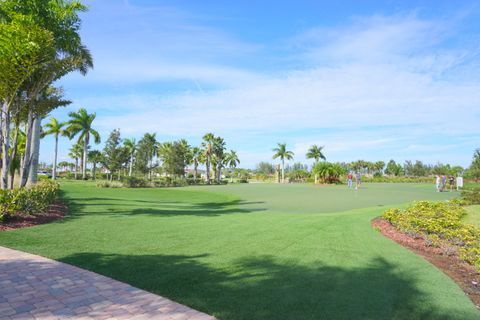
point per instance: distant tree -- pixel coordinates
(146, 152)
(379, 165)
(315, 152)
(281, 152)
(208, 149)
(80, 124)
(393, 168)
(218, 157)
(174, 156)
(131, 148)
(474, 169)
(114, 155)
(95, 157)
(196, 154)
(265, 168)
(76, 153)
(55, 128)
(232, 161)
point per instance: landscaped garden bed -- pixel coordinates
(26, 207)
(437, 232)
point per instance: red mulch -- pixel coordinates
(54, 212)
(461, 272)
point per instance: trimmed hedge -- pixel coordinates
(471, 196)
(28, 201)
(441, 225)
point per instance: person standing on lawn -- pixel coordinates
(350, 179)
(358, 180)
(437, 182)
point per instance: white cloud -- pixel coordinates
(389, 73)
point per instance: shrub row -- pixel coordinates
(471, 195)
(28, 201)
(441, 225)
(134, 182)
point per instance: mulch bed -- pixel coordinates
(54, 212)
(461, 272)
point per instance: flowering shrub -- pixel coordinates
(28, 201)
(440, 224)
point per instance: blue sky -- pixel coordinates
(370, 80)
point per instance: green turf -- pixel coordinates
(257, 251)
(473, 215)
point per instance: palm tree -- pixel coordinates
(94, 157)
(196, 154)
(315, 152)
(81, 124)
(208, 144)
(219, 155)
(232, 161)
(131, 147)
(76, 153)
(56, 128)
(282, 153)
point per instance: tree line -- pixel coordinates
(40, 43)
(147, 157)
(325, 170)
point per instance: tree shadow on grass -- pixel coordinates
(266, 288)
(117, 207)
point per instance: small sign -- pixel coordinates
(459, 182)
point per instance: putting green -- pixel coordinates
(256, 251)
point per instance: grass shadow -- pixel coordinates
(267, 288)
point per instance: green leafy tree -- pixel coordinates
(55, 128)
(282, 153)
(80, 124)
(393, 168)
(474, 169)
(265, 168)
(114, 155)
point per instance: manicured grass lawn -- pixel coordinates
(473, 216)
(257, 251)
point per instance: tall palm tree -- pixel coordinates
(80, 124)
(196, 154)
(131, 147)
(76, 153)
(56, 128)
(282, 153)
(315, 152)
(232, 161)
(219, 155)
(207, 145)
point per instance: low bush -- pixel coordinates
(396, 179)
(109, 184)
(441, 225)
(28, 201)
(134, 182)
(471, 196)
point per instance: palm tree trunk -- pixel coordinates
(94, 171)
(283, 171)
(54, 173)
(207, 165)
(84, 164)
(5, 145)
(195, 168)
(35, 151)
(26, 157)
(131, 166)
(76, 167)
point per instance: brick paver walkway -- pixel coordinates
(33, 287)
